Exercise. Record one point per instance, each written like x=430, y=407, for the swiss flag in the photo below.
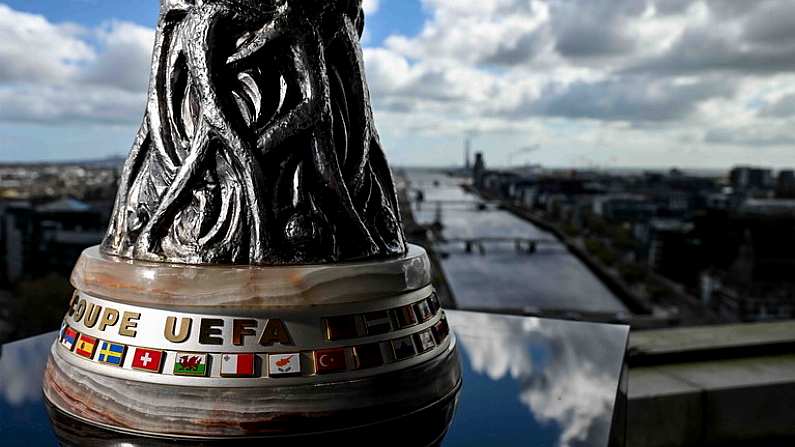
x=147, y=359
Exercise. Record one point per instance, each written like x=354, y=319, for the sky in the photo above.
x=575, y=83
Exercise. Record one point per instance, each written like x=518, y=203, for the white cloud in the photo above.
x=124, y=59
x=69, y=104
x=716, y=71
x=474, y=32
x=606, y=71
x=35, y=50
x=54, y=74
x=759, y=135
x=371, y=6
x=573, y=383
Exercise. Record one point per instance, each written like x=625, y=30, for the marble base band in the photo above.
x=268, y=355
x=428, y=426
x=210, y=412
x=196, y=287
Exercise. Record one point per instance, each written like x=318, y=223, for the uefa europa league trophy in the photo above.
x=255, y=279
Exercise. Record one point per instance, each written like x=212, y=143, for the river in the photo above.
x=552, y=279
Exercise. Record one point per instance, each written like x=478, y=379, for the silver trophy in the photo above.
x=255, y=279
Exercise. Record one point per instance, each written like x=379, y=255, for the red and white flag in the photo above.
x=237, y=365
x=147, y=359
x=330, y=360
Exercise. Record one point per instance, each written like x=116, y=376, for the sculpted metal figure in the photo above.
x=258, y=144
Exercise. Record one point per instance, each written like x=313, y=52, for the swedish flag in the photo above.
x=111, y=353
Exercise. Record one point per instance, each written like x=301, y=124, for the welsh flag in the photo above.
x=237, y=365
x=190, y=365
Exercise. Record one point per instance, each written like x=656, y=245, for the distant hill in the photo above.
x=109, y=162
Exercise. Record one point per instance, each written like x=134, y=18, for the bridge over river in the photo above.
x=483, y=265
x=472, y=244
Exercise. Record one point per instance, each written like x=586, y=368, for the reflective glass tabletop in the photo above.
x=527, y=381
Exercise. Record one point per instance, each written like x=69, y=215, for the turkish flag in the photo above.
x=330, y=360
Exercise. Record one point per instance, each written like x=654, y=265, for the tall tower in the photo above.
x=467, y=150
x=477, y=170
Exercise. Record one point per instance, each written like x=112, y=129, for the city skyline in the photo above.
x=702, y=84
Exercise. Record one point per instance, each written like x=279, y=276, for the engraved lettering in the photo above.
x=129, y=322
x=80, y=311
x=109, y=318
x=72, y=302
x=242, y=329
x=209, y=329
x=184, y=329
x=275, y=332
x=92, y=315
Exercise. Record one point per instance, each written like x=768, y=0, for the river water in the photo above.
x=552, y=279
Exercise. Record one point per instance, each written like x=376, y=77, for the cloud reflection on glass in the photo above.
x=567, y=373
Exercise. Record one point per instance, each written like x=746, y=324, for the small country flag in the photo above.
x=440, y=331
x=338, y=328
x=403, y=348
x=404, y=317
x=433, y=301
x=377, y=322
x=367, y=356
x=237, y=365
x=424, y=340
x=284, y=364
x=330, y=360
x=111, y=353
x=68, y=338
x=189, y=364
x=86, y=346
x=147, y=359
x=423, y=311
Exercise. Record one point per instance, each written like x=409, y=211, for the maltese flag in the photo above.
x=237, y=365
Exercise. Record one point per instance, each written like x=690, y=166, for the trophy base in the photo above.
x=274, y=351
x=427, y=428
x=171, y=411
